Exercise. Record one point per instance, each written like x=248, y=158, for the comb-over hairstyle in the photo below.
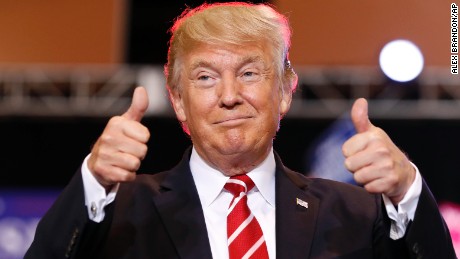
x=234, y=23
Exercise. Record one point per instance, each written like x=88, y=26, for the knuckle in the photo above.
x=127, y=176
x=115, y=120
x=373, y=135
x=382, y=151
x=131, y=163
x=103, y=154
x=388, y=165
x=106, y=138
x=115, y=123
x=345, y=151
x=144, y=149
x=369, y=188
x=146, y=132
x=99, y=169
x=358, y=176
x=135, y=164
x=358, y=179
x=378, y=129
x=347, y=164
x=376, y=135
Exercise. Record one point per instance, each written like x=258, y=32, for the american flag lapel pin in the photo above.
x=302, y=203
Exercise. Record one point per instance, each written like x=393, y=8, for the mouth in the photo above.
x=233, y=121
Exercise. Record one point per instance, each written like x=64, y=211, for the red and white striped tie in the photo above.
x=245, y=237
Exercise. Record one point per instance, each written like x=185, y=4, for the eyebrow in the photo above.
x=200, y=63
x=252, y=59
x=244, y=61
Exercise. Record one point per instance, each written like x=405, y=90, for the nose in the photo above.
x=229, y=92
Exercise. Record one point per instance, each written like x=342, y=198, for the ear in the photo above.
x=285, y=102
x=178, y=105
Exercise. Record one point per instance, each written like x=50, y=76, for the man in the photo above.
x=230, y=83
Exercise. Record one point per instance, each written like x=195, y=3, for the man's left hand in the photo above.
x=374, y=159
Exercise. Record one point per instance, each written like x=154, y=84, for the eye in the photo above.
x=204, y=78
x=250, y=76
x=248, y=73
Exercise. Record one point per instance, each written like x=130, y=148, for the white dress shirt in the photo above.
x=96, y=197
x=261, y=200
x=215, y=201
x=406, y=208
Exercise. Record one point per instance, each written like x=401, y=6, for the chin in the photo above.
x=234, y=150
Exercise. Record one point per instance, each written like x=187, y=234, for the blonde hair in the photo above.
x=233, y=23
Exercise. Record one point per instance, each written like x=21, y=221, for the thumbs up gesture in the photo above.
x=374, y=159
x=118, y=152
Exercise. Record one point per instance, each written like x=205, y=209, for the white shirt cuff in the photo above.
x=96, y=197
x=406, y=208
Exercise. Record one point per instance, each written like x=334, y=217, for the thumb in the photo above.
x=359, y=115
x=139, y=105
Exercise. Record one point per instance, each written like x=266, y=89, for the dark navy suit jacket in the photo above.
x=160, y=216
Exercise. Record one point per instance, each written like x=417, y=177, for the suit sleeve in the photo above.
x=65, y=231
x=428, y=235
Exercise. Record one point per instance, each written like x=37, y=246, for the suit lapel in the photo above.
x=295, y=224
x=180, y=209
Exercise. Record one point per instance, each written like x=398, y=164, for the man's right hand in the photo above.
x=118, y=152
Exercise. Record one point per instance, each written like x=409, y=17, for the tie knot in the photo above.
x=238, y=184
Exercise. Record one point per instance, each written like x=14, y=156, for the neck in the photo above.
x=234, y=164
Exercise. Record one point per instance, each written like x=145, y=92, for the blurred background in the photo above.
x=66, y=67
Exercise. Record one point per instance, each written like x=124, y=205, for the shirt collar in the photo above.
x=210, y=182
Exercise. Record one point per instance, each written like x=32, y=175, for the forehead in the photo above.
x=226, y=55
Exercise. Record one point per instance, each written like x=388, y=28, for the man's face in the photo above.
x=230, y=101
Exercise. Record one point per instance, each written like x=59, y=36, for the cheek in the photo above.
x=267, y=106
x=264, y=101
x=199, y=104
